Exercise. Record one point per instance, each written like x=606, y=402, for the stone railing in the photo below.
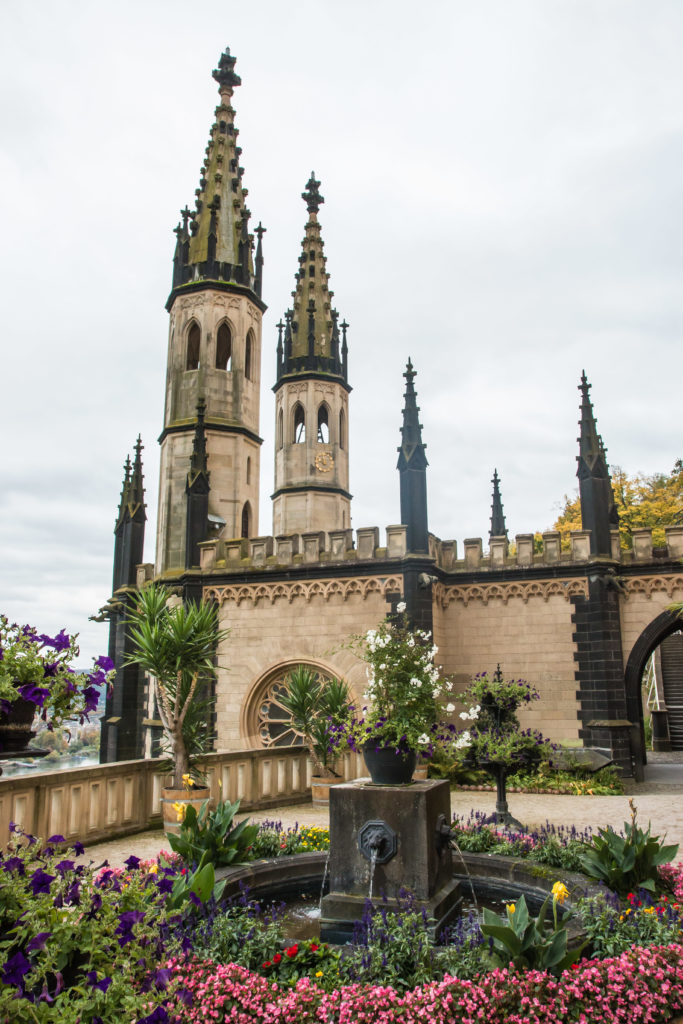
x=111, y=800
x=320, y=548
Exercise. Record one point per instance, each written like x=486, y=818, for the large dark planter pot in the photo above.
x=15, y=726
x=386, y=767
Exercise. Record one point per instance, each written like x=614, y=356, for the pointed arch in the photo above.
x=342, y=429
x=193, y=340
x=323, y=424
x=246, y=520
x=249, y=355
x=280, y=429
x=299, y=420
x=223, y=347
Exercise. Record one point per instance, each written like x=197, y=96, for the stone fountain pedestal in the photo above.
x=402, y=825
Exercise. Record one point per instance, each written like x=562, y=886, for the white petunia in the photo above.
x=465, y=717
x=463, y=740
x=450, y=708
x=424, y=738
x=401, y=607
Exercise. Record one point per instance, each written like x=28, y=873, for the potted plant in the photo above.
x=37, y=676
x=317, y=708
x=175, y=644
x=404, y=686
x=496, y=743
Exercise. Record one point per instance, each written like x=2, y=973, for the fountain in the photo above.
x=386, y=839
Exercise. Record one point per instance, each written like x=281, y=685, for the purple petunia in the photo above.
x=38, y=941
x=64, y=866
x=41, y=881
x=124, y=929
x=78, y=848
x=56, y=839
x=35, y=694
x=132, y=863
x=157, y=1016
x=14, y=864
x=105, y=663
x=14, y=970
x=102, y=985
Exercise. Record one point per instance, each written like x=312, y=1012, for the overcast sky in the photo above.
x=502, y=187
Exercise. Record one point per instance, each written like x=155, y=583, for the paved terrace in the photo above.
x=658, y=800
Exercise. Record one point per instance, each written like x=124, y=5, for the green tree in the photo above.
x=652, y=501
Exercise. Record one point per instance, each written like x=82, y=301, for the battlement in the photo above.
x=318, y=547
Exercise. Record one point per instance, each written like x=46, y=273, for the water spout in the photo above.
x=322, y=887
x=373, y=861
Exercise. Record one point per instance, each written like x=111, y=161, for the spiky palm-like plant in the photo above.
x=312, y=704
x=176, y=645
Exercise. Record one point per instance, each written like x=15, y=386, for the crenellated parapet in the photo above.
x=319, y=547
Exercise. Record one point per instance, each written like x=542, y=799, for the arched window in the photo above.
x=299, y=424
x=342, y=429
x=248, y=469
x=246, y=519
x=248, y=355
x=280, y=425
x=223, y=348
x=192, y=362
x=323, y=425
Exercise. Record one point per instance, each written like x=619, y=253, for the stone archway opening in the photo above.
x=658, y=642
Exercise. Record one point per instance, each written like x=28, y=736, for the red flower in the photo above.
x=575, y=967
x=314, y=947
x=277, y=958
x=292, y=950
x=266, y=963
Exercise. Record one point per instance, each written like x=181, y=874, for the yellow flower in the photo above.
x=560, y=892
x=510, y=908
x=648, y=910
x=318, y=974
x=188, y=781
x=179, y=809
x=153, y=869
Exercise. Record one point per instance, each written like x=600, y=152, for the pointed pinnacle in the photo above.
x=312, y=196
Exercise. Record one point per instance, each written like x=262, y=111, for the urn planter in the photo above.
x=16, y=726
x=387, y=767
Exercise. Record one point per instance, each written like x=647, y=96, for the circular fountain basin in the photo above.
x=298, y=879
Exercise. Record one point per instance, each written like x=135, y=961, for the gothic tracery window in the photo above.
x=267, y=718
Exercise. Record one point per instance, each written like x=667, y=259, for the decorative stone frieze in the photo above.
x=291, y=589
x=650, y=585
x=485, y=592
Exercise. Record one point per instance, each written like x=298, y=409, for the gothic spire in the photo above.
x=412, y=449
x=312, y=337
x=124, y=492
x=136, y=490
x=498, y=527
x=412, y=466
x=213, y=240
x=598, y=508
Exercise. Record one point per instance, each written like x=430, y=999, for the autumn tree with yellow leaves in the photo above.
x=642, y=501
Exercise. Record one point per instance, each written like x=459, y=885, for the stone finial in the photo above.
x=224, y=73
x=312, y=196
x=498, y=527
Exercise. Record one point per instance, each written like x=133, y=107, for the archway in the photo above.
x=659, y=629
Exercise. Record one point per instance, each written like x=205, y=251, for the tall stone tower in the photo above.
x=311, y=398
x=214, y=350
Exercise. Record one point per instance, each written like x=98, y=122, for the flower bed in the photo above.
x=640, y=985
x=148, y=945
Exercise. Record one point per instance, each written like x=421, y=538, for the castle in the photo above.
x=578, y=625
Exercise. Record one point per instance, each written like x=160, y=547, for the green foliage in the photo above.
x=529, y=942
x=200, y=883
x=176, y=645
x=314, y=704
x=613, y=928
x=391, y=947
x=209, y=837
x=239, y=934
x=629, y=862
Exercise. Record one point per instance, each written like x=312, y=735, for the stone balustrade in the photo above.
x=111, y=800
